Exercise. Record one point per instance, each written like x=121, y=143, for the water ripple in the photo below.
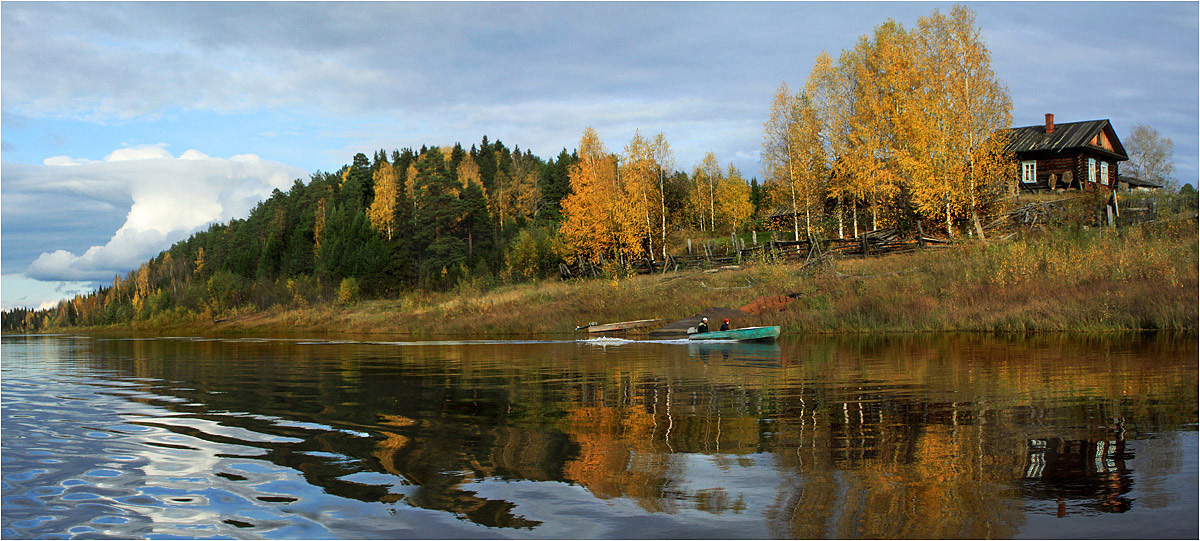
x=262, y=438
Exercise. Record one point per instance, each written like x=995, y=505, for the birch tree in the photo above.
x=879, y=67
x=705, y=178
x=952, y=155
x=590, y=224
x=733, y=209
x=779, y=151
x=640, y=180
x=828, y=89
x=382, y=211
x=664, y=161
x=1151, y=156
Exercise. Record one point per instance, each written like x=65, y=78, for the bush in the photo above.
x=534, y=254
x=348, y=290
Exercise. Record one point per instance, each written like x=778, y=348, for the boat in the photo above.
x=743, y=334
x=621, y=326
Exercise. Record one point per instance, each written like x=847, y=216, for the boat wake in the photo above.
x=606, y=341
x=596, y=341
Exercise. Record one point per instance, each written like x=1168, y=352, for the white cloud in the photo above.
x=64, y=161
x=18, y=290
x=140, y=152
x=171, y=199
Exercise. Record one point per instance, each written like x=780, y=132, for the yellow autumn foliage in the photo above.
x=382, y=211
x=594, y=222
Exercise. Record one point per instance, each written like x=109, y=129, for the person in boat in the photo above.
x=725, y=325
x=703, y=326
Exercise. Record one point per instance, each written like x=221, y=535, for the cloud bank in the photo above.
x=168, y=199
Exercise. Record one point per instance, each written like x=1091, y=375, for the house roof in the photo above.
x=1137, y=182
x=782, y=210
x=1066, y=135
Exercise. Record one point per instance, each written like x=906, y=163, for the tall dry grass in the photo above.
x=1142, y=277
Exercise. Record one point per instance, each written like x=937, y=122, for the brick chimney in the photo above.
x=1049, y=122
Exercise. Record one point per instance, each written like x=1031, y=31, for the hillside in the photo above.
x=428, y=251
x=1064, y=279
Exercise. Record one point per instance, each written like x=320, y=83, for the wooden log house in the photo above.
x=1072, y=155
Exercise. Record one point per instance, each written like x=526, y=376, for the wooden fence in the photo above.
x=872, y=243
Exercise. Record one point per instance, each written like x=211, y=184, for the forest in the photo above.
x=904, y=130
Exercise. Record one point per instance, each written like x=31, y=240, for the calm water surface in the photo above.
x=899, y=437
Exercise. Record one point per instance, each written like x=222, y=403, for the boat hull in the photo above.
x=744, y=334
x=622, y=326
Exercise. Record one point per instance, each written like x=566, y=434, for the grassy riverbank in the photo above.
x=1071, y=279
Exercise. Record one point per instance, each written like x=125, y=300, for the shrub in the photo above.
x=348, y=290
x=536, y=253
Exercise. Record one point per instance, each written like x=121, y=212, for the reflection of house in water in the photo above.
x=1091, y=473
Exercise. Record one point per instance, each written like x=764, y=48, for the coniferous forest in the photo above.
x=404, y=220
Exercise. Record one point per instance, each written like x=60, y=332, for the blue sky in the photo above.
x=128, y=126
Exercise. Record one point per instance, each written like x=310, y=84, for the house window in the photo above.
x=1029, y=172
x=1104, y=173
x=1091, y=169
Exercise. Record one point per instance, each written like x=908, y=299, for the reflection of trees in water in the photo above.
x=908, y=437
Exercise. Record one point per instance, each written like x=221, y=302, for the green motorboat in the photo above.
x=744, y=334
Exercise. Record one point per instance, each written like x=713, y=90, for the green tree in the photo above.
x=555, y=184
x=357, y=188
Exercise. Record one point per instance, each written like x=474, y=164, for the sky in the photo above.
x=126, y=127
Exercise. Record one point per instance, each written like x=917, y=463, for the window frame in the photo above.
x=1104, y=173
x=1092, y=170
x=1029, y=171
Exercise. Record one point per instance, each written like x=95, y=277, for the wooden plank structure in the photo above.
x=614, y=327
x=1040, y=214
x=871, y=243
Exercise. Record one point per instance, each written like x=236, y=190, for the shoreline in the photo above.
x=1076, y=281
x=1139, y=305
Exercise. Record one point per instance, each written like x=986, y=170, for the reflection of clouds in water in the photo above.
x=569, y=438
x=726, y=496
x=98, y=457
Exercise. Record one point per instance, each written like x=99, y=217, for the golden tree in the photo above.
x=953, y=156
x=882, y=79
x=382, y=211
x=502, y=202
x=468, y=172
x=829, y=92
x=795, y=157
x=318, y=231
x=593, y=222
x=410, y=181
x=641, y=179
x=733, y=206
x=526, y=192
x=811, y=171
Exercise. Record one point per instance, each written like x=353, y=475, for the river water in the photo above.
x=942, y=436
